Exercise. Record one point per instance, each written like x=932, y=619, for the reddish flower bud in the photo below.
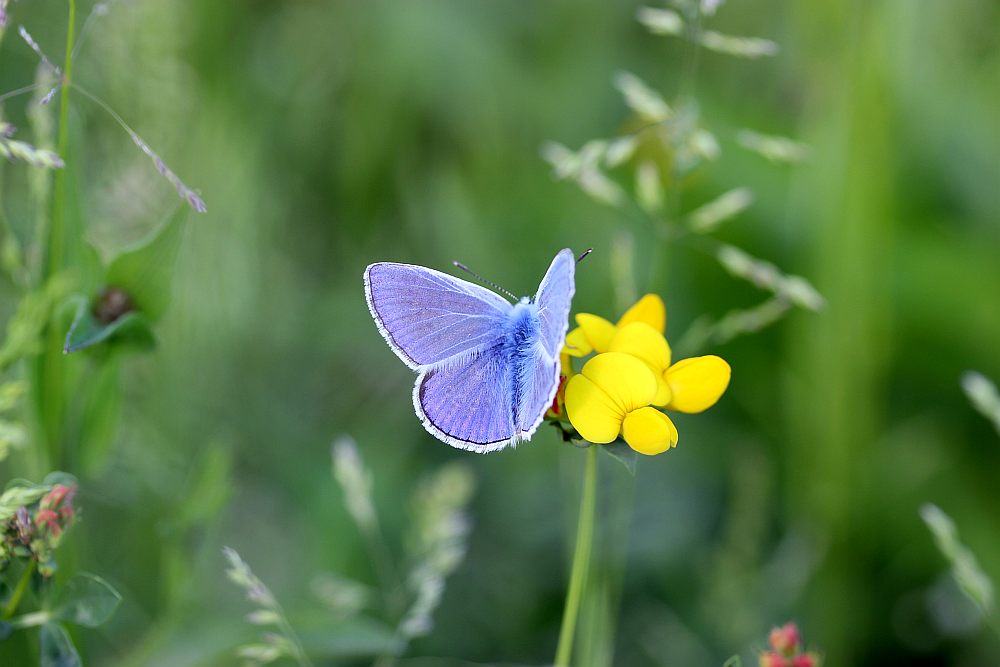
x=50, y=520
x=785, y=639
x=59, y=495
x=806, y=660
x=772, y=659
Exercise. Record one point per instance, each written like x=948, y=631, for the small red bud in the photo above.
x=557, y=400
x=785, y=639
x=49, y=519
x=771, y=659
x=806, y=660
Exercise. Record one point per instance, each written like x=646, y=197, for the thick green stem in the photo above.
x=51, y=395
x=581, y=559
x=15, y=598
x=56, y=247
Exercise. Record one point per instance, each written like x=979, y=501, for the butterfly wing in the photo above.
x=539, y=376
x=475, y=390
x=468, y=405
x=429, y=317
x=555, y=293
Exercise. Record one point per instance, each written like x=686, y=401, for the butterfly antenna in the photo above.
x=585, y=253
x=492, y=284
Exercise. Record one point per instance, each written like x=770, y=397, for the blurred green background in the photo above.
x=328, y=135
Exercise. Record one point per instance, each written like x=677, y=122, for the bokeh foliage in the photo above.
x=327, y=135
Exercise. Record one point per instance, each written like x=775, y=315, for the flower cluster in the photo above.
x=786, y=649
x=623, y=390
x=33, y=532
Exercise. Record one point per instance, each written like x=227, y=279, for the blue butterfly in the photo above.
x=487, y=369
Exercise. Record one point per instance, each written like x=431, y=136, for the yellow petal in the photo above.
x=644, y=342
x=649, y=431
x=648, y=309
x=577, y=344
x=627, y=381
x=648, y=345
x=697, y=383
x=591, y=411
x=663, y=392
x=598, y=331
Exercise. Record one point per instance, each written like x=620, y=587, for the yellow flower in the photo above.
x=690, y=385
x=598, y=332
x=614, y=394
x=611, y=397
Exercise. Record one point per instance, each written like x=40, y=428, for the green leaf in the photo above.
x=621, y=452
x=87, y=600
x=144, y=271
x=19, y=492
x=57, y=648
x=734, y=661
x=59, y=477
x=86, y=331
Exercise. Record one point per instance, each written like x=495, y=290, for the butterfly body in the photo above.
x=487, y=370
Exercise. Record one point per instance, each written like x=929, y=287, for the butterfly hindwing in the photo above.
x=468, y=405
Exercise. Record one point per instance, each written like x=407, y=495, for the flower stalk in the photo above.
x=15, y=598
x=581, y=559
x=50, y=373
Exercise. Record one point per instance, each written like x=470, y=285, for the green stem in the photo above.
x=581, y=559
x=15, y=598
x=300, y=653
x=57, y=229
x=50, y=395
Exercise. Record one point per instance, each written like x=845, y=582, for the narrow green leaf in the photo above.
x=648, y=187
x=773, y=148
x=646, y=102
x=767, y=276
x=660, y=21
x=964, y=566
x=144, y=271
x=86, y=330
x=742, y=47
x=57, y=648
x=87, y=600
x=984, y=396
x=708, y=217
x=621, y=452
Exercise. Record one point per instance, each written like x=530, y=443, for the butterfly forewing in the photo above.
x=428, y=317
x=555, y=294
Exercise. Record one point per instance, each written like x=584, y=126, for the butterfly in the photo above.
x=487, y=369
